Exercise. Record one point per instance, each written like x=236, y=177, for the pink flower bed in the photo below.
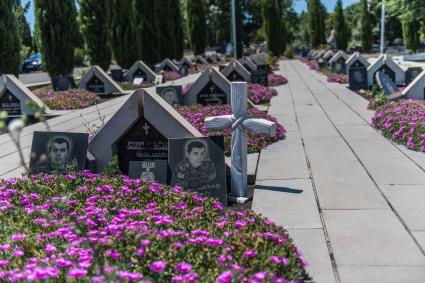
x=276, y=80
x=196, y=114
x=338, y=78
x=312, y=64
x=402, y=122
x=260, y=94
x=171, y=76
x=88, y=227
x=66, y=100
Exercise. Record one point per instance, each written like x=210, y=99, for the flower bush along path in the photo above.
x=93, y=228
x=330, y=183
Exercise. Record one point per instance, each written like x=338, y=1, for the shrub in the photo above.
x=276, y=80
x=260, y=94
x=402, y=122
x=377, y=101
x=289, y=53
x=196, y=114
x=93, y=228
x=131, y=86
x=79, y=57
x=66, y=100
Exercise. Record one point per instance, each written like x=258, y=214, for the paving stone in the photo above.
x=294, y=198
x=420, y=237
x=381, y=274
x=316, y=126
x=370, y=237
x=313, y=246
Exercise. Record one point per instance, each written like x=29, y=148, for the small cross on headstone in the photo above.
x=239, y=122
x=146, y=127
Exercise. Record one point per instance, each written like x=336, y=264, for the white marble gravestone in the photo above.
x=15, y=97
x=140, y=69
x=200, y=92
x=234, y=71
x=416, y=89
x=240, y=123
x=96, y=80
x=248, y=64
x=385, y=62
x=167, y=65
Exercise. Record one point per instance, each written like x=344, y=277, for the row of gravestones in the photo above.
x=153, y=142
x=335, y=60
x=388, y=75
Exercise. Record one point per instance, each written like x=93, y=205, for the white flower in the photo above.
x=16, y=126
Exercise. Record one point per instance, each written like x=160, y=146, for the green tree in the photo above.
x=366, y=29
x=273, y=26
x=58, y=34
x=197, y=25
x=239, y=29
x=94, y=26
x=178, y=29
x=411, y=34
x=123, y=32
x=148, y=37
x=9, y=43
x=316, y=22
x=166, y=18
x=23, y=26
x=341, y=33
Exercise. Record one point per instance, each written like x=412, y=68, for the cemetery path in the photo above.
x=351, y=199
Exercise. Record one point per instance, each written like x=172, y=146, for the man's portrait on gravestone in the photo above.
x=358, y=76
x=170, y=96
x=53, y=151
x=196, y=171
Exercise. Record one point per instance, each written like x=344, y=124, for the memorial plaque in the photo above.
x=387, y=70
x=150, y=170
x=339, y=65
x=53, y=151
x=172, y=94
x=63, y=83
x=96, y=85
x=260, y=76
x=141, y=142
x=235, y=77
x=139, y=74
x=357, y=76
x=10, y=104
x=197, y=164
x=211, y=95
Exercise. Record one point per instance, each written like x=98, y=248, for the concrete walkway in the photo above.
x=352, y=200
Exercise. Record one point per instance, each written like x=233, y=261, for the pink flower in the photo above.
x=225, y=277
x=183, y=267
x=157, y=266
x=249, y=253
x=76, y=273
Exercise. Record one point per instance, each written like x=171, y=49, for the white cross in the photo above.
x=212, y=88
x=146, y=127
x=240, y=123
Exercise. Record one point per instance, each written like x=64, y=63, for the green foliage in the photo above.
x=79, y=57
x=341, y=32
x=366, y=29
x=411, y=33
x=289, y=53
x=94, y=27
x=58, y=34
x=239, y=29
x=148, y=36
x=123, y=31
x=9, y=43
x=376, y=90
x=197, y=25
x=23, y=26
x=274, y=26
x=316, y=23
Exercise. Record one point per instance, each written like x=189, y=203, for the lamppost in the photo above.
x=383, y=27
x=234, y=29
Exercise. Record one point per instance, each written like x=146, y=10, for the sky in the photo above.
x=299, y=5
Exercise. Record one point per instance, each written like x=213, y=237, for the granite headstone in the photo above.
x=172, y=94
x=151, y=170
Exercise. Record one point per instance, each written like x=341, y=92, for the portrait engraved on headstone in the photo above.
x=53, y=151
x=197, y=164
x=171, y=94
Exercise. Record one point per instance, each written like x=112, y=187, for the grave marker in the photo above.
x=328, y=55
x=15, y=96
x=63, y=83
x=386, y=64
x=97, y=81
x=151, y=170
x=211, y=88
x=168, y=66
x=412, y=73
x=356, y=67
x=200, y=60
x=260, y=75
x=140, y=70
x=248, y=64
x=416, y=89
x=236, y=72
x=386, y=84
x=239, y=122
x=172, y=94
x=337, y=62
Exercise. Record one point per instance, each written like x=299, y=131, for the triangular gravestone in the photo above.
x=97, y=81
x=387, y=86
x=140, y=70
x=260, y=58
x=185, y=62
x=248, y=64
x=356, y=66
x=337, y=62
x=168, y=66
x=139, y=131
x=386, y=64
x=319, y=55
x=328, y=55
x=15, y=97
x=235, y=72
x=200, y=60
x=416, y=89
x=211, y=88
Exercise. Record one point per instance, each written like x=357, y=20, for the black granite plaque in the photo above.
x=412, y=73
x=141, y=142
x=151, y=170
x=357, y=76
x=386, y=84
x=10, y=103
x=96, y=85
x=63, y=83
x=260, y=76
x=197, y=164
x=235, y=77
x=387, y=70
x=53, y=151
x=211, y=95
x=172, y=94
x=117, y=75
